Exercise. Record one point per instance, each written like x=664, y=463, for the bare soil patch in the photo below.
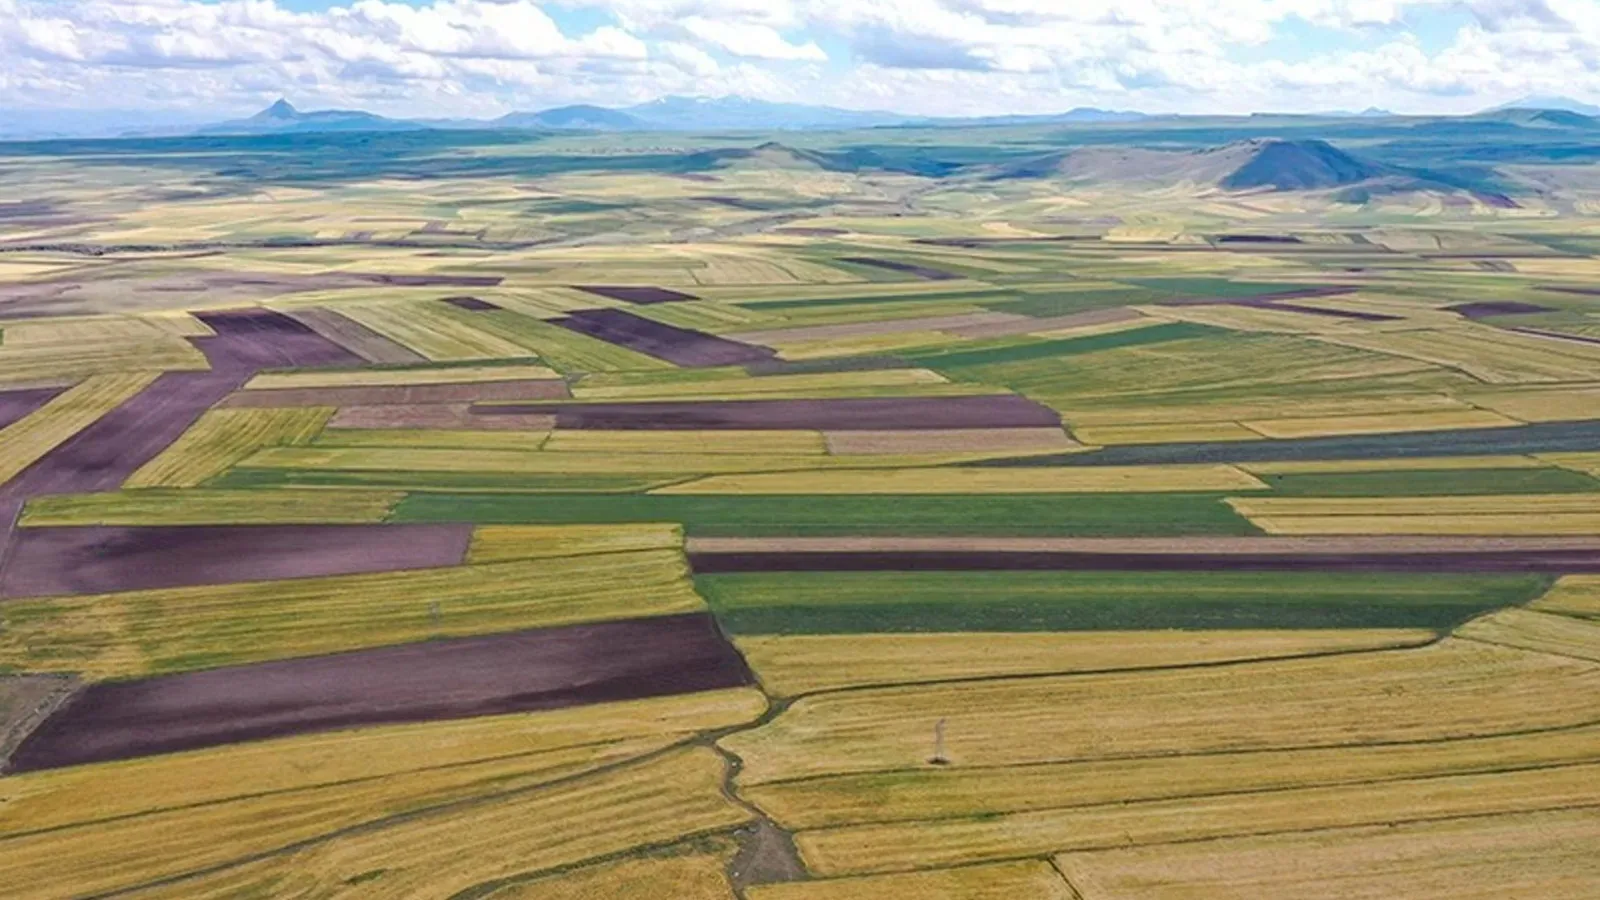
x=636, y=293
x=907, y=413
x=679, y=346
x=25, y=702
x=445, y=679
x=95, y=560
x=1485, y=309
x=926, y=273
x=470, y=304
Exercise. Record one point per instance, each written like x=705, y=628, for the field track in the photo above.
x=95, y=560
x=445, y=679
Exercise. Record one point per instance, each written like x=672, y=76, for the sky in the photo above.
x=475, y=58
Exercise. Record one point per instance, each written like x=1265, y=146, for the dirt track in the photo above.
x=445, y=679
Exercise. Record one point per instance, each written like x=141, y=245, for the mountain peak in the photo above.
x=1284, y=165
x=283, y=109
x=1558, y=104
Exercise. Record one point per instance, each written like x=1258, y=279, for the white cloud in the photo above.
x=439, y=57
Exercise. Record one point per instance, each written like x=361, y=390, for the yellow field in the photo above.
x=1540, y=631
x=1573, y=595
x=1582, y=462
x=1544, y=405
x=436, y=438
x=803, y=664
x=1164, y=433
x=1552, y=514
x=387, y=377
x=1030, y=880
x=423, y=327
x=1425, y=464
x=1116, y=411
x=1492, y=355
x=1545, y=854
x=865, y=345
x=499, y=543
x=26, y=441
x=998, y=441
x=895, y=846
x=68, y=361
x=37, y=801
x=172, y=629
x=1084, y=480
x=1383, y=424
x=223, y=437
x=1451, y=690
x=689, y=876
x=968, y=791
x=436, y=848
x=764, y=443
x=204, y=506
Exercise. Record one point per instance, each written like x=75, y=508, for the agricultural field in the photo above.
x=524, y=516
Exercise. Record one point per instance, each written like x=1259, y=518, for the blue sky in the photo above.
x=487, y=57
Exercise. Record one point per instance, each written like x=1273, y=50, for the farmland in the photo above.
x=530, y=515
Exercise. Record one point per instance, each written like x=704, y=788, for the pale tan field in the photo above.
x=382, y=377
x=1385, y=424
x=990, y=440
x=1543, y=632
x=1541, y=854
x=1455, y=689
x=1031, y=880
x=1573, y=595
x=208, y=506
x=688, y=875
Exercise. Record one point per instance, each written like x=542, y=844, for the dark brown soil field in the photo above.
x=679, y=346
x=400, y=394
x=46, y=562
x=249, y=340
x=1332, y=313
x=1552, y=561
x=445, y=679
x=470, y=304
x=15, y=405
x=25, y=702
x=357, y=338
x=1485, y=309
x=1003, y=411
x=636, y=294
x=926, y=273
x=441, y=416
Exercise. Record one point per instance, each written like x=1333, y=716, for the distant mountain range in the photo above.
x=683, y=114
x=665, y=114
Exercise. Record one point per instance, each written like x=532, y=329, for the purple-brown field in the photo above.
x=436, y=416
x=444, y=679
x=636, y=294
x=15, y=405
x=1488, y=309
x=908, y=413
x=679, y=346
x=46, y=562
x=470, y=304
x=400, y=394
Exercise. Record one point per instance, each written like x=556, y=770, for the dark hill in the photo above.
x=1300, y=166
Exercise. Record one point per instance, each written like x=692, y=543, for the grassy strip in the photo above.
x=508, y=482
x=849, y=602
x=805, y=515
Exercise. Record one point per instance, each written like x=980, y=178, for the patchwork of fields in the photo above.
x=862, y=549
